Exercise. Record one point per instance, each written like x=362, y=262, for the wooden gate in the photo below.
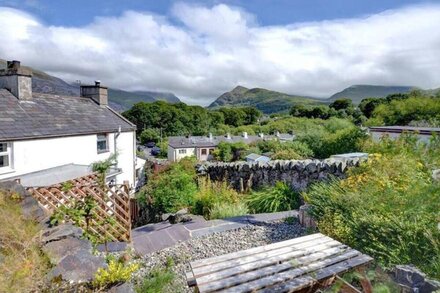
x=112, y=201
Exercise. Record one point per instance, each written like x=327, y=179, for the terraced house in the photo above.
x=47, y=139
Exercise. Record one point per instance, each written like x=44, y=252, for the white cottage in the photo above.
x=47, y=139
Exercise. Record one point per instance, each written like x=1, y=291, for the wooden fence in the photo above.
x=112, y=201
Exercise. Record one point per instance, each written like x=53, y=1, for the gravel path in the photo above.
x=216, y=244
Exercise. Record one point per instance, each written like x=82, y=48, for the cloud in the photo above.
x=200, y=52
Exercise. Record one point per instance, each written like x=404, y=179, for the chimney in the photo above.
x=228, y=135
x=261, y=135
x=17, y=80
x=245, y=136
x=96, y=92
x=210, y=136
x=277, y=133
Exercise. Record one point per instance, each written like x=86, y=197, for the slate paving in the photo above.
x=157, y=236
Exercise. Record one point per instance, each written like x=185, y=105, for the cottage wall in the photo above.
x=297, y=174
x=39, y=154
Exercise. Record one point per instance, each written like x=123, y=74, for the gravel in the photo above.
x=213, y=245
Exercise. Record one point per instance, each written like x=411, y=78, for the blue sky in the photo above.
x=200, y=49
x=268, y=12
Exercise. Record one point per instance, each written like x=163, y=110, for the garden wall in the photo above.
x=297, y=174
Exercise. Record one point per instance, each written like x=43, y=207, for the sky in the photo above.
x=200, y=49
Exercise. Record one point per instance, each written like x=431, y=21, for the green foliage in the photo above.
x=22, y=263
x=402, y=109
x=325, y=144
x=173, y=188
x=149, y=135
x=228, y=152
x=116, y=272
x=227, y=210
x=388, y=207
x=159, y=280
x=181, y=119
x=293, y=150
x=102, y=167
x=340, y=104
x=211, y=194
x=83, y=213
x=273, y=199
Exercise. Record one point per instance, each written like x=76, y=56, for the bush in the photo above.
x=388, y=207
x=22, y=264
x=228, y=210
x=173, y=188
x=117, y=272
x=210, y=194
x=273, y=199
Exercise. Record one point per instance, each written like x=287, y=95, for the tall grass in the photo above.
x=273, y=199
x=388, y=207
x=215, y=196
x=22, y=264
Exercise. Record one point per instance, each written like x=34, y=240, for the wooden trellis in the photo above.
x=112, y=201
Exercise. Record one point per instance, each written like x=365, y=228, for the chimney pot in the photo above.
x=96, y=92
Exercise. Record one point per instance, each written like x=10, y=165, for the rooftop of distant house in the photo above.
x=213, y=141
x=25, y=114
x=400, y=129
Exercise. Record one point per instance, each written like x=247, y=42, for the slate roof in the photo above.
x=48, y=115
x=400, y=129
x=257, y=158
x=204, y=141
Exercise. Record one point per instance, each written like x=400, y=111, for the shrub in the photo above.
x=228, y=210
x=388, y=207
x=117, y=272
x=273, y=199
x=211, y=193
x=22, y=263
x=173, y=188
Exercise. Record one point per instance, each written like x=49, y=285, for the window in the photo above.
x=204, y=152
x=5, y=155
x=102, y=143
x=182, y=151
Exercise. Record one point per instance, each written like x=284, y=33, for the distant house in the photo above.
x=47, y=139
x=252, y=158
x=202, y=147
x=423, y=133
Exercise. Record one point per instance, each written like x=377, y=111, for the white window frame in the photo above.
x=107, y=149
x=7, y=153
x=182, y=151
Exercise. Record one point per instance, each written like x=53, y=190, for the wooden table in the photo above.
x=298, y=264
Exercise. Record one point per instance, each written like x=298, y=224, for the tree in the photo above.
x=149, y=135
x=341, y=104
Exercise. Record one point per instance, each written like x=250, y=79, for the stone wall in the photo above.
x=297, y=174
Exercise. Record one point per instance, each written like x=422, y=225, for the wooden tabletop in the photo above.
x=286, y=266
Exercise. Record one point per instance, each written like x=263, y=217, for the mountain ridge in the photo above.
x=119, y=100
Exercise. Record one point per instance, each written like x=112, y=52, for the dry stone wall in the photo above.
x=297, y=174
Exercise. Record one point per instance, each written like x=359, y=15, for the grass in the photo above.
x=159, y=280
x=228, y=210
x=22, y=264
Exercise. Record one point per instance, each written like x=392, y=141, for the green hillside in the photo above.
x=359, y=92
x=264, y=100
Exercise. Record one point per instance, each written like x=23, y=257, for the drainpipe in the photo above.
x=115, y=138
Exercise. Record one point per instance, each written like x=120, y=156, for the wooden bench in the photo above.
x=299, y=264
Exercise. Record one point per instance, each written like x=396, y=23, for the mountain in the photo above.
x=119, y=100
x=359, y=92
x=264, y=100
